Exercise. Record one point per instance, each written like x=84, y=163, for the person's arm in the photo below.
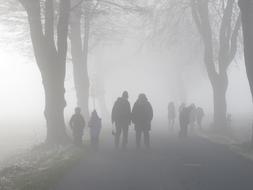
x=151, y=112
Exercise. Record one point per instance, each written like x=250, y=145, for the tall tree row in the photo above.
x=246, y=7
x=50, y=49
x=81, y=36
x=79, y=52
x=219, y=52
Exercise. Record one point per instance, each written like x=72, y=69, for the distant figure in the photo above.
x=121, y=116
x=193, y=117
x=181, y=107
x=184, y=121
x=95, y=126
x=171, y=115
x=142, y=115
x=77, y=124
x=199, y=115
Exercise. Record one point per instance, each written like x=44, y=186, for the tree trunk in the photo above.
x=79, y=51
x=220, y=106
x=52, y=64
x=85, y=59
x=80, y=73
x=54, y=107
x=246, y=7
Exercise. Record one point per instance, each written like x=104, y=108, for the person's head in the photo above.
x=125, y=95
x=183, y=104
x=142, y=97
x=77, y=110
x=193, y=106
x=94, y=114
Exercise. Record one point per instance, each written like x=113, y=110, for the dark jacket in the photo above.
x=184, y=116
x=77, y=123
x=121, y=112
x=142, y=114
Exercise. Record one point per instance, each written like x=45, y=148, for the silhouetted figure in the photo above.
x=121, y=116
x=77, y=124
x=184, y=121
x=199, y=116
x=181, y=107
x=95, y=126
x=193, y=117
x=171, y=115
x=142, y=115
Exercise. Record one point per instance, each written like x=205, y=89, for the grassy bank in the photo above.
x=40, y=168
x=244, y=148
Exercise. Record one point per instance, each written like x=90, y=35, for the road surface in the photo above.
x=171, y=164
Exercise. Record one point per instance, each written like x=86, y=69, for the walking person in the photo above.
x=121, y=117
x=184, y=121
x=77, y=124
x=193, y=117
x=95, y=126
x=142, y=115
x=171, y=115
x=181, y=107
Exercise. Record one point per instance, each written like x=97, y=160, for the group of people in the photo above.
x=141, y=116
x=122, y=116
x=77, y=124
x=189, y=116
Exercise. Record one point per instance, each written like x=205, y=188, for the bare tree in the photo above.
x=79, y=51
x=50, y=53
x=82, y=33
x=246, y=7
x=219, y=51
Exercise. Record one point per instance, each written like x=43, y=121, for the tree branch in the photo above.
x=225, y=35
x=234, y=39
x=49, y=22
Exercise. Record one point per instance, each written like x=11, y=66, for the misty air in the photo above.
x=126, y=94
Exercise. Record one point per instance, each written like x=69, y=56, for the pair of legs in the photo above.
x=95, y=142
x=119, y=130
x=145, y=132
x=78, y=138
x=183, y=130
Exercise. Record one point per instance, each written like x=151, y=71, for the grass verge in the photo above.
x=39, y=169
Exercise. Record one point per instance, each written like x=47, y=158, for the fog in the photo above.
x=61, y=60
x=163, y=76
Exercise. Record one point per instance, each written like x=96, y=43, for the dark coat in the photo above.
x=142, y=114
x=121, y=112
x=184, y=116
x=77, y=123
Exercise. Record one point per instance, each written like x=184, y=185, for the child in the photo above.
x=77, y=124
x=95, y=128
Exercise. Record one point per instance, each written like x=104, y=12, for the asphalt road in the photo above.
x=171, y=164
